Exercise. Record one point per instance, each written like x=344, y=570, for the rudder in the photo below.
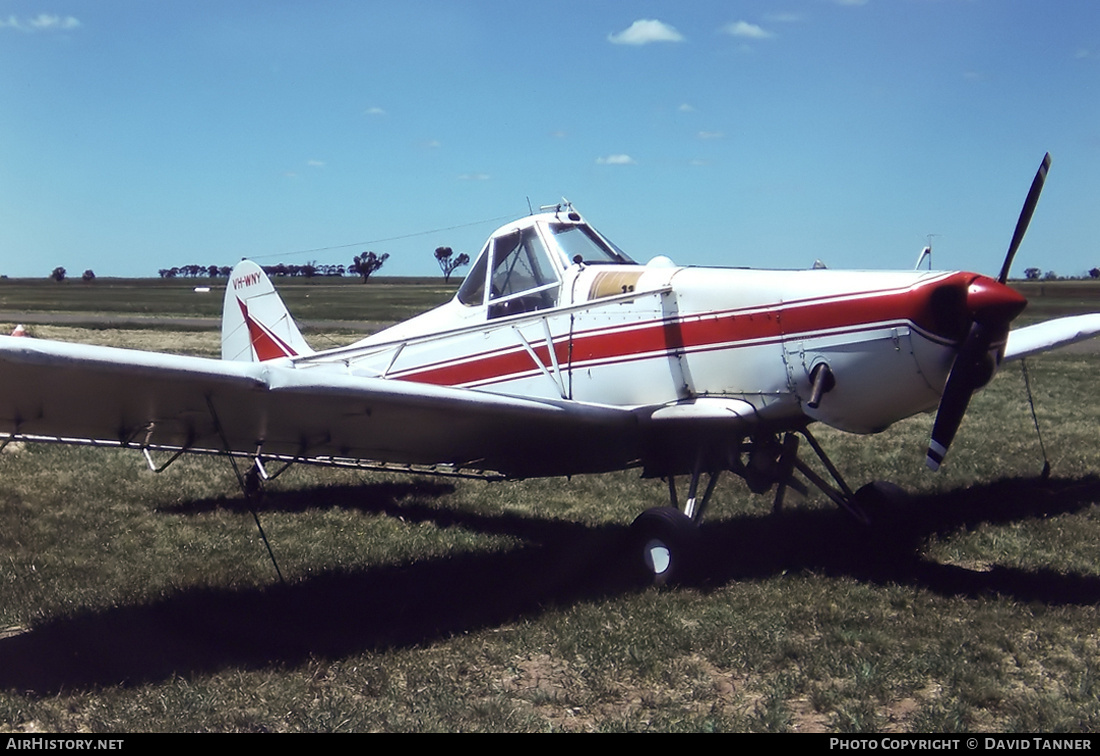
x=256, y=325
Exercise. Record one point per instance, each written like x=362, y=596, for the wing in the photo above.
x=1043, y=337
x=74, y=393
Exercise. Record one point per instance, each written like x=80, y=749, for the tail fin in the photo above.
x=255, y=323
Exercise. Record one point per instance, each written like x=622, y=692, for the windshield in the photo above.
x=472, y=291
x=580, y=244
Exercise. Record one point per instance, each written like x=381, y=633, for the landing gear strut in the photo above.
x=665, y=540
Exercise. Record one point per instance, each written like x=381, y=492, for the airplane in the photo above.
x=559, y=355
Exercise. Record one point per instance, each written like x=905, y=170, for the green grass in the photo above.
x=138, y=602
x=381, y=300
x=1048, y=299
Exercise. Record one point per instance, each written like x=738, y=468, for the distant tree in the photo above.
x=447, y=263
x=87, y=276
x=1050, y=275
x=1094, y=273
x=1032, y=274
x=367, y=263
x=58, y=274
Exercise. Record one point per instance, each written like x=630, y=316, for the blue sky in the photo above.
x=137, y=135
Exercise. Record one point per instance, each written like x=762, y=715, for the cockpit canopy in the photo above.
x=520, y=268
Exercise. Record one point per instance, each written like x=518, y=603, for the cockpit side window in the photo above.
x=522, y=278
x=516, y=264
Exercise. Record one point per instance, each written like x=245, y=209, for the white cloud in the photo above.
x=43, y=22
x=747, y=31
x=643, y=31
x=685, y=108
x=619, y=159
x=711, y=135
x=473, y=177
x=375, y=111
x=315, y=163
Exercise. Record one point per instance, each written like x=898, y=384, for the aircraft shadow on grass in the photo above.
x=336, y=614
x=372, y=497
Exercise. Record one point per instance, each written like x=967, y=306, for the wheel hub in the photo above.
x=657, y=556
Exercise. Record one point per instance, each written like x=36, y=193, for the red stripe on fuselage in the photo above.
x=701, y=332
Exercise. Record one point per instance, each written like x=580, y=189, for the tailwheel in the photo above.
x=663, y=544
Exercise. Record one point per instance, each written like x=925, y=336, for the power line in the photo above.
x=380, y=241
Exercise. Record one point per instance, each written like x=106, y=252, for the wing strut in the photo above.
x=251, y=485
x=1035, y=419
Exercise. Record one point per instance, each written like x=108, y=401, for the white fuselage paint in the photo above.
x=630, y=335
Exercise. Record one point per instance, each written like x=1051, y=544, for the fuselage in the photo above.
x=550, y=309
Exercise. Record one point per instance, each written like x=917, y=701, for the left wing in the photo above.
x=75, y=393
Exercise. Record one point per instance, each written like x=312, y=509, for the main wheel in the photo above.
x=663, y=542
x=878, y=501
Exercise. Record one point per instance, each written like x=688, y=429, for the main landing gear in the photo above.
x=668, y=537
x=665, y=541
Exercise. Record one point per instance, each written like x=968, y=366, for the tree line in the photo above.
x=368, y=263
x=1036, y=274
x=59, y=274
x=308, y=270
x=364, y=266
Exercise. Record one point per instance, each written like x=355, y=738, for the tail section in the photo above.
x=255, y=323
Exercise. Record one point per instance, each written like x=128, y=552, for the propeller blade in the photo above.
x=948, y=419
x=966, y=375
x=991, y=308
x=1025, y=216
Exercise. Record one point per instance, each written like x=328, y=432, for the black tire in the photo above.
x=663, y=545
x=879, y=501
